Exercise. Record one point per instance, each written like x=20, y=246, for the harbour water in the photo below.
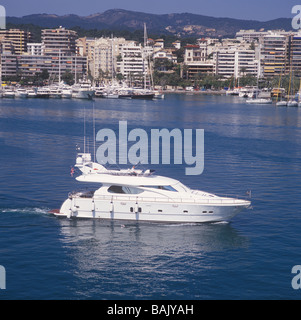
x=247, y=147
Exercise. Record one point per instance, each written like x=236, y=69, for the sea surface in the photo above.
x=247, y=147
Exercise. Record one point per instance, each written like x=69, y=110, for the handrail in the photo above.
x=215, y=200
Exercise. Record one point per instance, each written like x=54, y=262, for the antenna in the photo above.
x=84, y=129
x=94, y=130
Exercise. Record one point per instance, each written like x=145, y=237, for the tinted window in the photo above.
x=124, y=189
x=116, y=189
x=168, y=188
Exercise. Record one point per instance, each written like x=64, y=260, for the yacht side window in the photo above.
x=167, y=188
x=124, y=190
x=116, y=189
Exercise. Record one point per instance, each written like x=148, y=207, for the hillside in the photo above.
x=179, y=24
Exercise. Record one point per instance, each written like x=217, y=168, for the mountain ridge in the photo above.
x=180, y=24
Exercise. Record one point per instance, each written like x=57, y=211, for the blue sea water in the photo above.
x=247, y=147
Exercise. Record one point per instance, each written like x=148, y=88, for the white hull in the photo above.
x=21, y=95
x=281, y=103
x=259, y=101
x=111, y=96
x=292, y=104
x=67, y=94
x=83, y=94
x=9, y=94
x=122, y=208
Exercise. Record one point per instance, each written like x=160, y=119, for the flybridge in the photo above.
x=141, y=144
x=84, y=159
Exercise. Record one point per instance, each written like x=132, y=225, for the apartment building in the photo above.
x=132, y=64
x=294, y=54
x=14, y=40
x=104, y=54
x=196, y=60
x=84, y=45
x=35, y=49
x=274, y=54
x=165, y=54
x=234, y=62
x=194, y=53
x=59, y=41
x=29, y=65
x=250, y=35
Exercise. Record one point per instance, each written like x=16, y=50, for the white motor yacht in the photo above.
x=111, y=95
x=66, y=93
x=21, y=93
x=143, y=196
x=8, y=93
x=55, y=93
x=43, y=92
x=31, y=93
x=259, y=101
x=82, y=90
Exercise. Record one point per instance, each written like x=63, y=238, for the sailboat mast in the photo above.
x=144, y=48
x=59, y=65
x=94, y=137
x=75, y=77
x=84, y=129
x=112, y=70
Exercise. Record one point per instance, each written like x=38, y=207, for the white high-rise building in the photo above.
x=133, y=64
x=236, y=63
x=35, y=49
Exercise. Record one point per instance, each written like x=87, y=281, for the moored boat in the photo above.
x=259, y=101
x=21, y=93
x=83, y=90
x=43, y=93
x=8, y=93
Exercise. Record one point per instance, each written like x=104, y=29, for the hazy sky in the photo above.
x=262, y=10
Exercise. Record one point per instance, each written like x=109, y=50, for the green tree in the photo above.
x=68, y=77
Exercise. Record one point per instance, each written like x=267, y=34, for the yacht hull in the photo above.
x=138, y=210
x=21, y=95
x=84, y=94
x=143, y=96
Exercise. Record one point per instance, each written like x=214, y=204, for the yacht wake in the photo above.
x=25, y=210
